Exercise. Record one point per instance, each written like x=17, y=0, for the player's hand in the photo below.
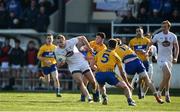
x=174, y=60
x=60, y=64
x=48, y=63
x=91, y=50
x=130, y=87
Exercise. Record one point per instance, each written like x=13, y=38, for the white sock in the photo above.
x=167, y=93
x=89, y=97
x=159, y=93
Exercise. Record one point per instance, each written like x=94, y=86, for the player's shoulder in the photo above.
x=43, y=46
x=133, y=39
x=172, y=34
x=146, y=38
x=92, y=42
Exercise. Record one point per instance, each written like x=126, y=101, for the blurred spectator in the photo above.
x=166, y=9
x=31, y=63
x=42, y=20
x=155, y=18
x=128, y=19
x=155, y=5
x=175, y=18
x=144, y=4
x=175, y=4
x=30, y=15
x=3, y=16
x=4, y=59
x=14, y=6
x=50, y=7
x=13, y=21
x=142, y=16
x=16, y=60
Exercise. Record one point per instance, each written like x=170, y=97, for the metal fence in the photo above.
x=147, y=27
x=27, y=81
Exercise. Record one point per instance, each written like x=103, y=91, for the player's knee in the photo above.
x=122, y=85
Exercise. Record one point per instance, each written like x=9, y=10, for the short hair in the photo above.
x=59, y=36
x=112, y=43
x=119, y=42
x=48, y=35
x=17, y=41
x=31, y=42
x=101, y=34
x=167, y=22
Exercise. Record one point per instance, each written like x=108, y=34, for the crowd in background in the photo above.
x=26, y=14
x=17, y=64
x=153, y=11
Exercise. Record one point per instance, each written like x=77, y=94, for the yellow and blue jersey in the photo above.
x=106, y=60
x=96, y=47
x=139, y=45
x=132, y=63
x=125, y=52
x=47, y=52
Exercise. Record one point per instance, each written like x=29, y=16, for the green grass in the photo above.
x=11, y=101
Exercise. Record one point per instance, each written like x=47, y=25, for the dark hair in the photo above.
x=119, y=42
x=31, y=42
x=112, y=43
x=101, y=34
x=17, y=41
x=60, y=36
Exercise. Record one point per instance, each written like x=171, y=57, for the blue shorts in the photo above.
x=109, y=77
x=146, y=65
x=135, y=66
x=48, y=70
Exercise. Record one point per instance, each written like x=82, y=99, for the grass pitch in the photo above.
x=11, y=101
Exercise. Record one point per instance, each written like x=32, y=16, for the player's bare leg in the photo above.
x=145, y=77
x=56, y=83
x=85, y=80
x=90, y=76
x=78, y=78
x=165, y=83
x=127, y=92
x=104, y=94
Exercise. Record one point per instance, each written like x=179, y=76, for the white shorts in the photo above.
x=17, y=67
x=150, y=72
x=4, y=66
x=79, y=67
x=32, y=68
x=163, y=62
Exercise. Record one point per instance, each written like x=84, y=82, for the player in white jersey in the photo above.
x=152, y=53
x=76, y=61
x=166, y=41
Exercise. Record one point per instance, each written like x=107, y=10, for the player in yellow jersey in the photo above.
x=97, y=45
x=48, y=62
x=104, y=64
x=140, y=45
x=134, y=65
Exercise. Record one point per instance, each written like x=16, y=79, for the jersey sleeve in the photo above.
x=154, y=40
x=73, y=41
x=175, y=39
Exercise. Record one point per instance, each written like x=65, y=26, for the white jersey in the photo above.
x=154, y=53
x=72, y=54
x=165, y=45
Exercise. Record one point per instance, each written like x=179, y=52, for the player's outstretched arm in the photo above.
x=176, y=52
x=85, y=41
